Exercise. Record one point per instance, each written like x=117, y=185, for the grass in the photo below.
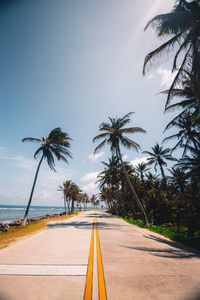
x=170, y=232
x=17, y=232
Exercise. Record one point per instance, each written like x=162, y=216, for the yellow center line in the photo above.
x=88, y=284
x=89, y=277
x=101, y=278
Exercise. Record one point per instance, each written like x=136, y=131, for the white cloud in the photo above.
x=139, y=160
x=90, y=188
x=20, y=161
x=95, y=157
x=125, y=157
x=2, y=150
x=92, y=177
x=167, y=77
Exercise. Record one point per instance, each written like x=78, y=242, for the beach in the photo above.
x=10, y=213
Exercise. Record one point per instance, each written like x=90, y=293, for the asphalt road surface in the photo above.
x=94, y=256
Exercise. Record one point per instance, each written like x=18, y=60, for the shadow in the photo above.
x=99, y=216
x=4, y=296
x=82, y=225
x=195, y=296
x=173, y=244
x=165, y=253
x=175, y=250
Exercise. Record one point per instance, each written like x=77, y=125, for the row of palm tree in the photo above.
x=174, y=196
x=74, y=196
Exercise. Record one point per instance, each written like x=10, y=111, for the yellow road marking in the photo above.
x=101, y=278
x=88, y=284
x=100, y=271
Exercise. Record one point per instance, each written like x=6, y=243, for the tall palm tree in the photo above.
x=67, y=189
x=191, y=164
x=141, y=168
x=182, y=26
x=158, y=157
x=114, y=134
x=55, y=144
x=110, y=175
x=188, y=132
x=178, y=179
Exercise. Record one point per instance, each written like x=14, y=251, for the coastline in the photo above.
x=5, y=225
x=13, y=231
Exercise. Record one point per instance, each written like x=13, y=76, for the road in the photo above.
x=95, y=254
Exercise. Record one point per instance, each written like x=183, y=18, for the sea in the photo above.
x=14, y=212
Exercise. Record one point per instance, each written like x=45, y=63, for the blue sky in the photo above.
x=72, y=64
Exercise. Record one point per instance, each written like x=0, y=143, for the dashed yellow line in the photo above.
x=101, y=278
x=89, y=277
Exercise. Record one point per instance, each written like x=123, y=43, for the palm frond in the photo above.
x=30, y=139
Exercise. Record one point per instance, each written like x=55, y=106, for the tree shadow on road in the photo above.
x=82, y=225
x=175, y=250
x=106, y=216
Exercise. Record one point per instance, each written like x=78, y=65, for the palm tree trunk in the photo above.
x=135, y=196
x=163, y=174
x=24, y=221
x=65, y=205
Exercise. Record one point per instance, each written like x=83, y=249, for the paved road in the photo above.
x=137, y=264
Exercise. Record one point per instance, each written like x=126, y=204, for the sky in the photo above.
x=71, y=64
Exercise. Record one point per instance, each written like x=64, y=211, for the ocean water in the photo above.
x=14, y=212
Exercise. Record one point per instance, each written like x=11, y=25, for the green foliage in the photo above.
x=171, y=232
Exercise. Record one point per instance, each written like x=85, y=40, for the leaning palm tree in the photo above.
x=157, y=158
x=55, y=144
x=114, y=134
x=182, y=28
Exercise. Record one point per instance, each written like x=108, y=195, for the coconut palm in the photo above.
x=187, y=135
x=84, y=199
x=56, y=144
x=178, y=179
x=94, y=200
x=182, y=26
x=114, y=134
x=191, y=164
x=110, y=175
x=158, y=157
x=141, y=168
x=67, y=189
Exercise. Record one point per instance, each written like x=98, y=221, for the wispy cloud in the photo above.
x=166, y=76
x=95, y=157
x=20, y=161
x=138, y=160
x=92, y=176
x=91, y=186
x=2, y=150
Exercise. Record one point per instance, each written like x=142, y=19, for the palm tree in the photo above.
x=182, y=26
x=191, y=164
x=55, y=144
x=85, y=200
x=67, y=190
x=114, y=134
x=177, y=179
x=141, y=168
x=110, y=175
x=188, y=132
x=94, y=200
x=158, y=157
